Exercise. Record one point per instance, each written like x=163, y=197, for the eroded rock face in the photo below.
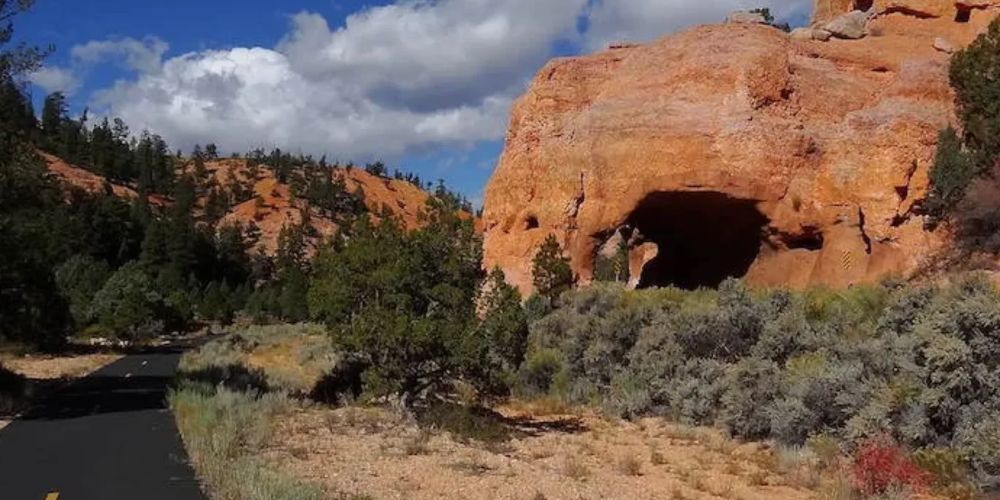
x=735, y=150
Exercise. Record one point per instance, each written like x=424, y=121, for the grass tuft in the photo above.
x=224, y=431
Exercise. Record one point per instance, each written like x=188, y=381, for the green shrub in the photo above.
x=950, y=176
x=538, y=373
x=492, y=352
x=696, y=392
x=402, y=305
x=129, y=305
x=948, y=470
x=916, y=363
x=79, y=279
x=974, y=72
x=978, y=435
x=550, y=269
x=751, y=385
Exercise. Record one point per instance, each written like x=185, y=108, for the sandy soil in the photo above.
x=53, y=367
x=583, y=456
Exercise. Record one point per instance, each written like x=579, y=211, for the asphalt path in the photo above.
x=108, y=436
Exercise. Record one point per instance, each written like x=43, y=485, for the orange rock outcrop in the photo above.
x=90, y=182
x=272, y=205
x=736, y=150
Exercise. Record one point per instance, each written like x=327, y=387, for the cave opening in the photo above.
x=963, y=14
x=702, y=237
x=863, y=5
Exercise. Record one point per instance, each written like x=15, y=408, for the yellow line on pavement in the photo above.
x=52, y=496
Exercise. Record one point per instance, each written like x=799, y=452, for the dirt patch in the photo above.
x=569, y=456
x=55, y=367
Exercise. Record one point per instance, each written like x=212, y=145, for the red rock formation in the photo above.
x=735, y=150
x=91, y=182
x=272, y=205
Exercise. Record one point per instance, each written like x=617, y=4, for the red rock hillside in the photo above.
x=272, y=205
x=737, y=150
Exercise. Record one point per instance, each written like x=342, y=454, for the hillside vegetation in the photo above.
x=106, y=232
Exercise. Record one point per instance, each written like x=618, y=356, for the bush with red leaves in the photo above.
x=880, y=465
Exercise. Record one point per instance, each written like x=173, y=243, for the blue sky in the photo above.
x=425, y=85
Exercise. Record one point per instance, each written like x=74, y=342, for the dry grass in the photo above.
x=559, y=456
x=574, y=468
x=419, y=444
x=537, y=449
x=655, y=456
x=630, y=465
x=56, y=367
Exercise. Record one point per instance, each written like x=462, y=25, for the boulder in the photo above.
x=944, y=45
x=730, y=150
x=821, y=34
x=802, y=34
x=851, y=26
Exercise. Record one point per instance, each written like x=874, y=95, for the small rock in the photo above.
x=851, y=26
x=821, y=34
x=801, y=34
x=744, y=17
x=944, y=45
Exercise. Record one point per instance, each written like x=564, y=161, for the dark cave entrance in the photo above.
x=702, y=237
x=963, y=14
x=863, y=5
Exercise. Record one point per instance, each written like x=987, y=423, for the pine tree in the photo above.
x=54, y=114
x=552, y=274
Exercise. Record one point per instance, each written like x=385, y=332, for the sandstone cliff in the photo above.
x=736, y=150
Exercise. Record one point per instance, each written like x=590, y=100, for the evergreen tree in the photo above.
x=550, y=269
x=79, y=279
x=401, y=303
x=17, y=115
x=54, y=114
x=31, y=308
x=974, y=74
x=494, y=350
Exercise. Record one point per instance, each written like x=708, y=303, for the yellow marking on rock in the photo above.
x=52, y=496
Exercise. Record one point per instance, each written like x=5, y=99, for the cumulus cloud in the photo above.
x=139, y=55
x=55, y=79
x=391, y=80
x=646, y=20
x=423, y=55
x=243, y=98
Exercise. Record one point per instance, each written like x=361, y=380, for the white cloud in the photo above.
x=393, y=79
x=646, y=20
x=244, y=98
x=54, y=79
x=139, y=55
x=423, y=55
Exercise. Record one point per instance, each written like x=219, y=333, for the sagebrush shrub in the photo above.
x=920, y=364
x=538, y=373
x=751, y=385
